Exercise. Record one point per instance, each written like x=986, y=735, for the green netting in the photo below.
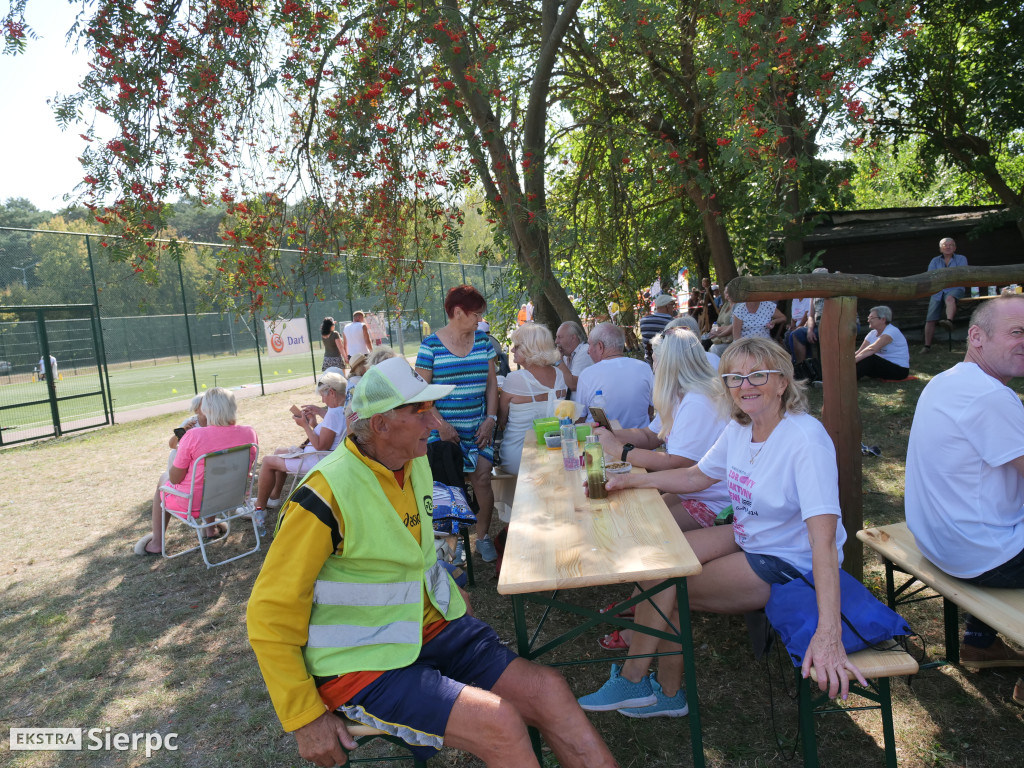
x=153, y=336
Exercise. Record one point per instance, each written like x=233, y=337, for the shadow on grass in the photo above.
x=138, y=645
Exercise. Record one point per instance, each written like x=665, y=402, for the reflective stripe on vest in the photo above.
x=354, y=636
x=359, y=594
x=439, y=586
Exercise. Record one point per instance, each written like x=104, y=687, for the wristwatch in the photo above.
x=492, y=416
x=625, y=450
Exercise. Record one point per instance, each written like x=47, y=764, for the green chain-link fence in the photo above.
x=165, y=339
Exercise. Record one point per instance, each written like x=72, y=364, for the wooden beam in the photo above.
x=837, y=337
x=776, y=287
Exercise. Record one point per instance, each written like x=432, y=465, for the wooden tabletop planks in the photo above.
x=558, y=538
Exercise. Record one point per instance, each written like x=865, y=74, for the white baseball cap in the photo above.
x=391, y=384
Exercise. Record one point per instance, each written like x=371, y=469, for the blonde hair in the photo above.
x=768, y=355
x=379, y=354
x=536, y=343
x=332, y=381
x=680, y=367
x=219, y=407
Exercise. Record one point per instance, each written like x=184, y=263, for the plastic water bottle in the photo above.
x=599, y=401
x=261, y=521
x=593, y=455
x=570, y=457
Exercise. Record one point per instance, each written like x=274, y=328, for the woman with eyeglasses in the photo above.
x=885, y=353
x=460, y=354
x=780, y=468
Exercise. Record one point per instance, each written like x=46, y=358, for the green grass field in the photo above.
x=133, y=387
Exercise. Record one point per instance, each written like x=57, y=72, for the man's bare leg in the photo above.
x=490, y=727
x=544, y=700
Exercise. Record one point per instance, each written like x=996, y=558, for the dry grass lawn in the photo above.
x=95, y=637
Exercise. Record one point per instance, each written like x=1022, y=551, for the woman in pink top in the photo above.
x=219, y=433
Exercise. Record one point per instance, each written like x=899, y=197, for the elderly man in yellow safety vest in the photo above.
x=352, y=614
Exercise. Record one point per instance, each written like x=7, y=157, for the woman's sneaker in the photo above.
x=485, y=548
x=618, y=692
x=665, y=706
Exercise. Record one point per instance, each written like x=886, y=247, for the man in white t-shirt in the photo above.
x=625, y=383
x=42, y=368
x=965, y=471
x=357, y=336
x=572, y=344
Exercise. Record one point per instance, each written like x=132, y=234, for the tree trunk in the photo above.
x=714, y=233
x=521, y=203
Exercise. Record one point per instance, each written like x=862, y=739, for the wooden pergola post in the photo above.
x=840, y=411
x=837, y=338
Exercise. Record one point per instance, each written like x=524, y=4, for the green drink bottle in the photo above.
x=593, y=460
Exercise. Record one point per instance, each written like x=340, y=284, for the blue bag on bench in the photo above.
x=792, y=610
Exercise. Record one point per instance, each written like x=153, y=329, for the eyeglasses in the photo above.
x=756, y=378
x=418, y=408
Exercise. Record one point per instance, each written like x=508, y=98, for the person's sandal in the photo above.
x=613, y=642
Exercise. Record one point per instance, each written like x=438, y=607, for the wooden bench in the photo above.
x=503, y=484
x=877, y=666
x=1001, y=609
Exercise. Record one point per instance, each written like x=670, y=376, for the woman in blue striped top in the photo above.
x=459, y=354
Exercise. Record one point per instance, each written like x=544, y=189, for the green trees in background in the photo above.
x=952, y=96
x=604, y=144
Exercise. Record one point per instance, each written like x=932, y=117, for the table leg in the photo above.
x=690, y=672
x=523, y=649
x=519, y=617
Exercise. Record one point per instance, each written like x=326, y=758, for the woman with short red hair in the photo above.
x=459, y=354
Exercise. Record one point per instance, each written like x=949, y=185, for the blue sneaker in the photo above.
x=619, y=692
x=665, y=706
x=485, y=548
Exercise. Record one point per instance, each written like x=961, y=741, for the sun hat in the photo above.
x=484, y=326
x=664, y=299
x=391, y=384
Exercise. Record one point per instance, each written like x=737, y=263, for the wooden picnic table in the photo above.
x=558, y=539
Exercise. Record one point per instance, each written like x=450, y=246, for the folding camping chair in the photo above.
x=225, y=497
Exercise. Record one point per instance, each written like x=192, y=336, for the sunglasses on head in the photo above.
x=418, y=408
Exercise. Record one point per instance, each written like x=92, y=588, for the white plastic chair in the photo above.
x=226, y=492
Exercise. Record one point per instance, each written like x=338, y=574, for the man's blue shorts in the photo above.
x=414, y=702
x=937, y=303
